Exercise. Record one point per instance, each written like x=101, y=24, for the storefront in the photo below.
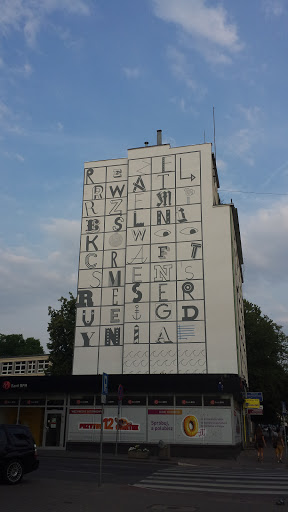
x=64, y=412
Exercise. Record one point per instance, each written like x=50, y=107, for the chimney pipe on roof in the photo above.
x=159, y=137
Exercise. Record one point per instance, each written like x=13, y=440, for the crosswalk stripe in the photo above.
x=212, y=484
x=222, y=490
x=216, y=481
x=226, y=476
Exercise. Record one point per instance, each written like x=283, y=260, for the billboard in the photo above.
x=138, y=424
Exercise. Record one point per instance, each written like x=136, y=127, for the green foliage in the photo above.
x=15, y=345
x=267, y=355
x=61, y=330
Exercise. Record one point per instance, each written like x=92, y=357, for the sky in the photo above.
x=84, y=80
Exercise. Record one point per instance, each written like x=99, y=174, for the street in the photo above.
x=71, y=485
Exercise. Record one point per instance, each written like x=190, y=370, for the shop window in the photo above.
x=20, y=367
x=31, y=367
x=7, y=368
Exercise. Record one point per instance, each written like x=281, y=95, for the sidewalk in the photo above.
x=246, y=459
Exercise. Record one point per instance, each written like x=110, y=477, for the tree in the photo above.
x=267, y=356
x=15, y=345
x=61, y=329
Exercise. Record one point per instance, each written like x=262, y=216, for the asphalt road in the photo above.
x=81, y=470
x=71, y=485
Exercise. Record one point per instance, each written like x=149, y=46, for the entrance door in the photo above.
x=53, y=436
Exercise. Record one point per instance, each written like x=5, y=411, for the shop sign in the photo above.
x=55, y=402
x=32, y=401
x=134, y=400
x=85, y=424
x=160, y=400
x=8, y=385
x=110, y=400
x=84, y=400
x=189, y=401
x=6, y=401
x=216, y=402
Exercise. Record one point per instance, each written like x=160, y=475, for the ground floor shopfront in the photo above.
x=186, y=412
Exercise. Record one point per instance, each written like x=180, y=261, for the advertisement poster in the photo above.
x=85, y=424
x=182, y=425
x=237, y=426
x=190, y=425
x=217, y=426
x=161, y=424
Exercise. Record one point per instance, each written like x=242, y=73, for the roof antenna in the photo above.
x=214, y=133
x=204, y=137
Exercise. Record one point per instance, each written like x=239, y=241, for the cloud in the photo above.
x=179, y=66
x=242, y=142
x=184, y=105
x=207, y=27
x=265, y=242
x=26, y=70
x=273, y=8
x=8, y=120
x=34, y=277
x=251, y=114
x=222, y=165
x=27, y=16
x=264, y=235
x=132, y=72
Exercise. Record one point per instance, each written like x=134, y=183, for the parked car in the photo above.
x=18, y=453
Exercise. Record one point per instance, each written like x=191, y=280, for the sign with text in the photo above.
x=104, y=384
x=182, y=425
x=252, y=403
x=255, y=394
x=255, y=412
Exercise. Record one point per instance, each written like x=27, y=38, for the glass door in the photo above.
x=54, y=429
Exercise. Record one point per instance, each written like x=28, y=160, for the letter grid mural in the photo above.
x=140, y=306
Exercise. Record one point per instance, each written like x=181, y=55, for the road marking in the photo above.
x=84, y=472
x=202, y=480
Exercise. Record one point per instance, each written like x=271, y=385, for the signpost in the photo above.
x=251, y=406
x=255, y=394
x=255, y=412
x=252, y=403
x=103, y=401
x=120, y=394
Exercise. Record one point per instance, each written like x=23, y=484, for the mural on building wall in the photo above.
x=140, y=305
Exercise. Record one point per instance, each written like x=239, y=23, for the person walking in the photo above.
x=259, y=443
x=279, y=446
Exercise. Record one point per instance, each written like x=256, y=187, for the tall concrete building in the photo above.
x=160, y=279
x=159, y=309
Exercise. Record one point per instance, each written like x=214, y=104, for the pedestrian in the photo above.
x=278, y=445
x=259, y=443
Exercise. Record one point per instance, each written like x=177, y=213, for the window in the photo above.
x=7, y=368
x=3, y=439
x=20, y=367
x=42, y=366
x=31, y=367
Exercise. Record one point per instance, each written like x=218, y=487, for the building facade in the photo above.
x=160, y=280
x=24, y=365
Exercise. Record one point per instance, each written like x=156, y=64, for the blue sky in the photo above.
x=84, y=80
